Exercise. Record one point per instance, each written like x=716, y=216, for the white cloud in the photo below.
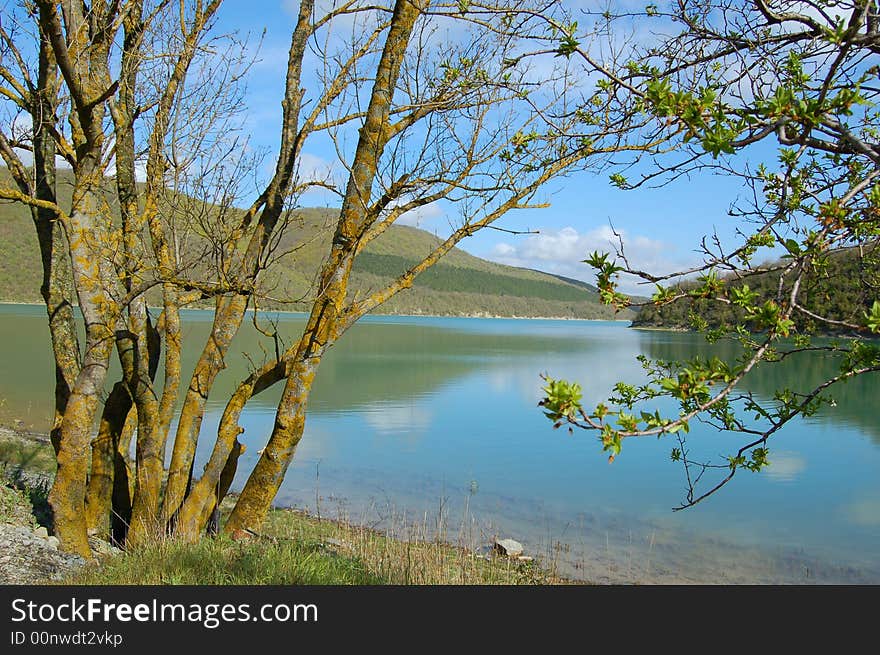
x=418, y=217
x=785, y=466
x=504, y=250
x=140, y=170
x=314, y=169
x=562, y=252
x=393, y=419
x=21, y=126
x=27, y=157
x=864, y=511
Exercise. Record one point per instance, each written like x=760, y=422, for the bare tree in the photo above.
x=78, y=43
x=423, y=102
x=467, y=126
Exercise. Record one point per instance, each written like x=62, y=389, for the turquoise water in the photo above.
x=434, y=422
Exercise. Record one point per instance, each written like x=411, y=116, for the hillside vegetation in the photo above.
x=459, y=285
x=839, y=291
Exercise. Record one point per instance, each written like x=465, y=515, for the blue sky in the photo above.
x=661, y=227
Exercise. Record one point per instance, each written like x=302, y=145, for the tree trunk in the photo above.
x=56, y=287
x=93, y=279
x=230, y=310
x=148, y=451
x=81, y=47
x=323, y=327
x=212, y=510
x=120, y=511
x=198, y=502
x=262, y=486
x=67, y=497
x=100, y=490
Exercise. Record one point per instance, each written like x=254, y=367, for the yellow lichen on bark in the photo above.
x=323, y=328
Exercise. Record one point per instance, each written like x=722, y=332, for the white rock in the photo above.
x=102, y=547
x=509, y=547
x=53, y=542
x=42, y=532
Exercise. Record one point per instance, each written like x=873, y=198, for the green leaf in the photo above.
x=873, y=318
x=793, y=247
x=618, y=180
x=562, y=400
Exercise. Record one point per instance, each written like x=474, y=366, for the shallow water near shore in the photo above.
x=419, y=425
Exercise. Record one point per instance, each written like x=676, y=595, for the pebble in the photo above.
x=509, y=547
x=31, y=559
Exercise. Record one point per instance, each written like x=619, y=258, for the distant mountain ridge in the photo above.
x=840, y=292
x=460, y=284
x=570, y=280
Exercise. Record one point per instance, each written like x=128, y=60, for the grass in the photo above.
x=26, y=465
x=293, y=547
x=16, y=507
x=26, y=454
x=416, y=557
x=222, y=561
x=296, y=548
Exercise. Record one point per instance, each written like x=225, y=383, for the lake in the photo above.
x=424, y=424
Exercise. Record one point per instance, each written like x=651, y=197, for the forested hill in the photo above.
x=459, y=285
x=839, y=292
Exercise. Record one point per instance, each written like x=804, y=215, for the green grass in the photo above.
x=222, y=561
x=444, y=277
x=26, y=465
x=298, y=549
x=413, y=555
x=25, y=468
x=15, y=507
x=27, y=454
x=293, y=547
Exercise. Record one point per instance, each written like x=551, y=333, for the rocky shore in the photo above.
x=32, y=557
x=29, y=555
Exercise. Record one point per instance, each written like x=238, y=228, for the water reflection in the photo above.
x=865, y=511
x=435, y=421
x=855, y=401
x=786, y=466
x=390, y=419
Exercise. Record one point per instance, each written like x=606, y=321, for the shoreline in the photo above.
x=392, y=314
x=660, y=328
x=588, y=561
x=281, y=518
